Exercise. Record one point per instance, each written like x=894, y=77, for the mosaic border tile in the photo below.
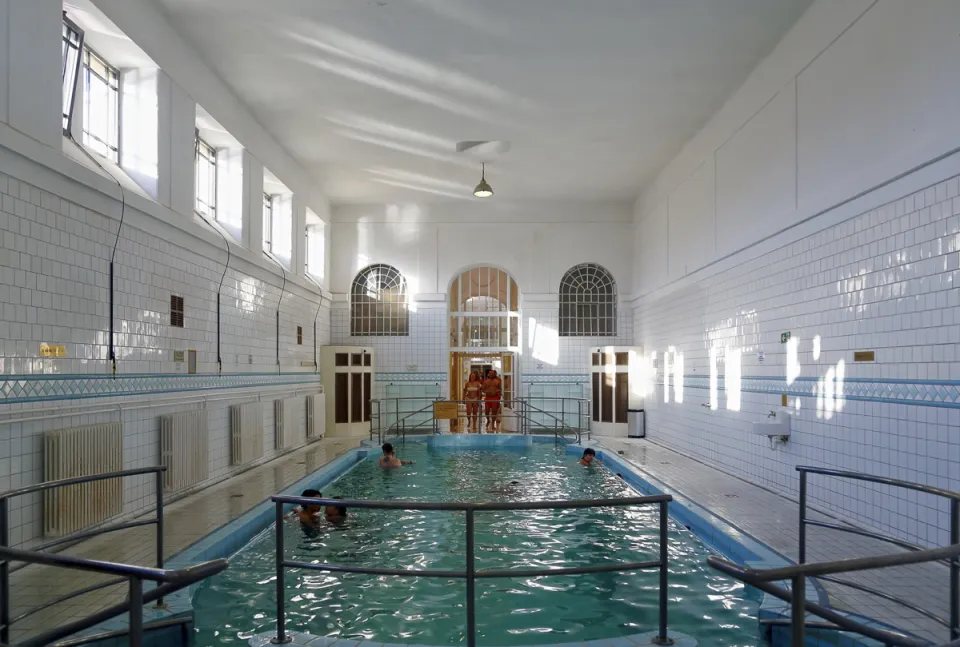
x=16, y=389
x=554, y=378
x=410, y=377
x=926, y=393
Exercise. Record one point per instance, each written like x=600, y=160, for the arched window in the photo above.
x=588, y=302
x=378, y=303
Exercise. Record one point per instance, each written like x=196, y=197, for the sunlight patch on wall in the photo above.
x=733, y=374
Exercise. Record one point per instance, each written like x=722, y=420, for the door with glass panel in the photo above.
x=347, y=378
x=614, y=388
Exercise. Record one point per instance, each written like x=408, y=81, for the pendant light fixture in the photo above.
x=483, y=189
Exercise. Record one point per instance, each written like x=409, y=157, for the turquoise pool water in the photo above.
x=240, y=602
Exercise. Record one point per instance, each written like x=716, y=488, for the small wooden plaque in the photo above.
x=864, y=356
x=445, y=410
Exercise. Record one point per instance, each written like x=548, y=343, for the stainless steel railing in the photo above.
x=134, y=575
x=825, y=571
x=415, y=414
x=470, y=572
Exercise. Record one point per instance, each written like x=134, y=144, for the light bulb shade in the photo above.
x=483, y=190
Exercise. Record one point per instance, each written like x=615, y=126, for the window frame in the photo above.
x=372, y=315
x=113, y=85
x=68, y=105
x=267, y=223
x=587, y=302
x=207, y=153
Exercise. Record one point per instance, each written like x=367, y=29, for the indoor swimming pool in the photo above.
x=240, y=602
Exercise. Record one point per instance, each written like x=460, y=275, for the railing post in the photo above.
x=802, y=530
x=158, y=483
x=797, y=611
x=955, y=571
x=471, y=582
x=136, y=612
x=281, y=593
x=563, y=412
x=662, y=638
x=5, y=573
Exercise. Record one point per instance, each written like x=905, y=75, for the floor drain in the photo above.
x=236, y=496
x=732, y=496
x=664, y=462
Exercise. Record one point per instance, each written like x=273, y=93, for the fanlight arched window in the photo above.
x=378, y=303
x=588, y=302
x=484, y=309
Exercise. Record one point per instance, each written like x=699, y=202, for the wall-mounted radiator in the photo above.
x=246, y=433
x=316, y=416
x=287, y=426
x=184, y=450
x=82, y=451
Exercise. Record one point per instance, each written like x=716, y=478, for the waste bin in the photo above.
x=636, y=423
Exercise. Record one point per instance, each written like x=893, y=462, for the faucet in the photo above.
x=772, y=414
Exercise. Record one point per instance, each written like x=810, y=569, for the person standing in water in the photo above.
x=471, y=395
x=492, y=392
x=588, y=457
x=389, y=459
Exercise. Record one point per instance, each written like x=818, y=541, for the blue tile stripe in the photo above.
x=928, y=393
x=554, y=378
x=432, y=378
x=39, y=388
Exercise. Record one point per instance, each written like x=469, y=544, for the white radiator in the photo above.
x=287, y=426
x=316, y=416
x=184, y=450
x=246, y=433
x=82, y=451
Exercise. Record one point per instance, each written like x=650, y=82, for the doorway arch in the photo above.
x=484, y=329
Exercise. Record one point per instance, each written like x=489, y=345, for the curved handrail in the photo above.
x=174, y=581
x=110, y=568
x=760, y=580
x=860, y=476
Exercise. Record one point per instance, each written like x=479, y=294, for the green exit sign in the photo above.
x=784, y=337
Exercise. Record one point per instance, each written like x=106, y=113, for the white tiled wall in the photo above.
x=422, y=351
x=887, y=280
x=54, y=288
x=565, y=355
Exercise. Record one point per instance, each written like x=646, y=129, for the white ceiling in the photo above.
x=594, y=96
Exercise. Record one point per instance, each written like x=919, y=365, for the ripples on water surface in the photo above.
x=240, y=602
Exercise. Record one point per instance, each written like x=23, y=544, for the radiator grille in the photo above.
x=316, y=416
x=287, y=427
x=184, y=449
x=82, y=451
x=246, y=433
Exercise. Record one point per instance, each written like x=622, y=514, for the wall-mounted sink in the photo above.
x=776, y=425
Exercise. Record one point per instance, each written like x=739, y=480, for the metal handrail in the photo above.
x=471, y=573
x=915, y=556
x=36, y=556
x=799, y=606
x=169, y=581
x=563, y=424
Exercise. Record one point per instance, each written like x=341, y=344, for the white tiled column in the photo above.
x=299, y=255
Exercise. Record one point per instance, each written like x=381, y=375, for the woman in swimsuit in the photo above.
x=471, y=395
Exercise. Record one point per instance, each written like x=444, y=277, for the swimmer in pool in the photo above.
x=308, y=514
x=389, y=459
x=588, y=457
x=509, y=488
x=335, y=514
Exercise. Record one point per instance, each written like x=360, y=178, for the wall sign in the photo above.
x=178, y=355
x=53, y=350
x=191, y=361
x=445, y=410
x=784, y=337
x=760, y=356
x=864, y=356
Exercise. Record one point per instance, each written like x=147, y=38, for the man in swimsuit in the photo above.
x=389, y=459
x=308, y=514
x=492, y=392
x=589, y=455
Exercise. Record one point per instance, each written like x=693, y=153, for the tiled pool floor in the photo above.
x=772, y=520
x=185, y=521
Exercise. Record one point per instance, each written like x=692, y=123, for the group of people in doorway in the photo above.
x=488, y=390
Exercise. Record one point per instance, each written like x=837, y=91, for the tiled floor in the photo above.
x=772, y=519
x=185, y=521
